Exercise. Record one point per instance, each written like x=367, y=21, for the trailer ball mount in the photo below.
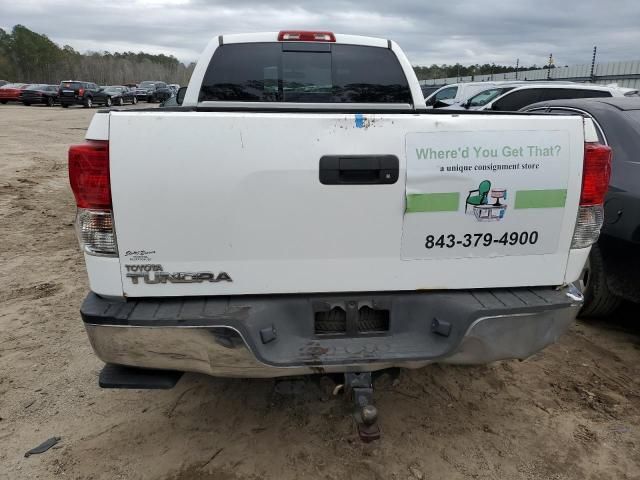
x=358, y=387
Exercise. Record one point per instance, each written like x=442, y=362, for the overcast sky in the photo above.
x=430, y=31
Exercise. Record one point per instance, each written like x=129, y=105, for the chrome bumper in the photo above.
x=200, y=347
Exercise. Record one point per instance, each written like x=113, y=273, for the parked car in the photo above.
x=457, y=93
x=120, y=95
x=483, y=98
x=175, y=87
x=40, y=93
x=3, y=83
x=612, y=272
x=152, y=91
x=213, y=255
x=162, y=94
x=523, y=95
x=87, y=94
x=454, y=95
x=11, y=92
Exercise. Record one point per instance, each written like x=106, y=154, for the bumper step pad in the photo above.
x=117, y=376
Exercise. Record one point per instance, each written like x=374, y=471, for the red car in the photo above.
x=11, y=92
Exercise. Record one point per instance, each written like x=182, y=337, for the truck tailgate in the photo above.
x=209, y=203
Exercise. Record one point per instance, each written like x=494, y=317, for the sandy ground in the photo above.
x=571, y=412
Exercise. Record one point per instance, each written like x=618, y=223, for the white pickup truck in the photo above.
x=302, y=212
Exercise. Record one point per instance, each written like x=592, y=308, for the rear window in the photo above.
x=71, y=85
x=304, y=73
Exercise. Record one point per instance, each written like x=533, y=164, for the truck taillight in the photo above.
x=305, y=36
x=90, y=182
x=89, y=174
x=596, y=173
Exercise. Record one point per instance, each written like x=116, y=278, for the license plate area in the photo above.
x=351, y=321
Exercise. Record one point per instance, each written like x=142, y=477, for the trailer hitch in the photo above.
x=359, y=388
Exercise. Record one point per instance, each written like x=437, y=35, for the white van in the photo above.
x=457, y=93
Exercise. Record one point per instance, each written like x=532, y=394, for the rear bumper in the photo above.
x=71, y=100
x=226, y=336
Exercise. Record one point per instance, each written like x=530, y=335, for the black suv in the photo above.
x=73, y=92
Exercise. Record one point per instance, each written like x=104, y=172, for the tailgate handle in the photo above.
x=359, y=169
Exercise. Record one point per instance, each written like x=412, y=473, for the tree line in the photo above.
x=458, y=70
x=27, y=56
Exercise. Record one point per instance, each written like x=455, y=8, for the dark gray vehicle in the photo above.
x=40, y=94
x=120, y=94
x=152, y=91
x=87, y=94
x=613, y=271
